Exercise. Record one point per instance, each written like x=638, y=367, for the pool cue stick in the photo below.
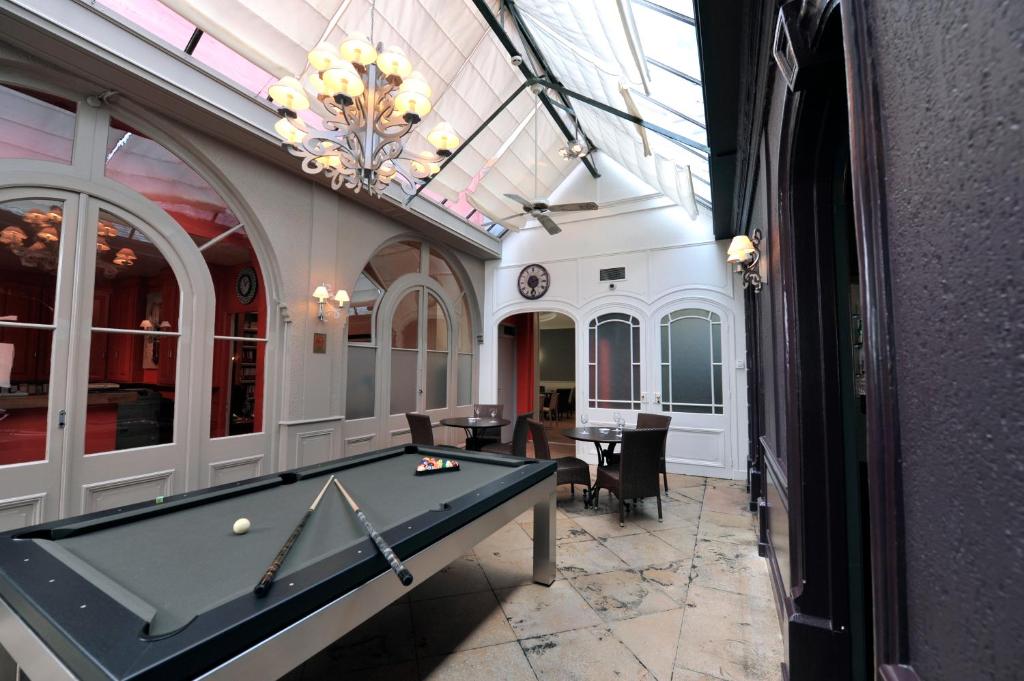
x=268, y=577
x=404, y=576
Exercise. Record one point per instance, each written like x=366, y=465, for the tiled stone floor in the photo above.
x=687, y=599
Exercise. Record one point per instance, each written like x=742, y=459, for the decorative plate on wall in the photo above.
x=246, y=285
x=533, y=282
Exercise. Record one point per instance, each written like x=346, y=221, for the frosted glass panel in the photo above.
x=359, y=393
x=437, y=380
x=437, y=325
x=35, y=125
x=403, y=381
x=614, y=351
x=691, y=361
x=465, y=395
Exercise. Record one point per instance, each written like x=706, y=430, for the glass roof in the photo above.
x=644, y=61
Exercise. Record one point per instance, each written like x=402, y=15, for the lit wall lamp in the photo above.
x=744, y=254
x=321, y=293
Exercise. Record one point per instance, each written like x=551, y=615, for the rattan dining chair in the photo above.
x=636, y=476
x=517, y=446
x=571, y=471
x=647, y=420
x=420, y=428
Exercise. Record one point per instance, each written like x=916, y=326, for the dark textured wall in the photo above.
x=951, y=79
x=557, y=355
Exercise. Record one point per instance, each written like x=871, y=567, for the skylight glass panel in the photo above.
x=677, y=93
x=154, y=17
x=228, y=63
x=667, y=40
x=684, y=7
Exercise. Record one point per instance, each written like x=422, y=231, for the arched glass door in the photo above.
x=89, y=365
x=420, y=360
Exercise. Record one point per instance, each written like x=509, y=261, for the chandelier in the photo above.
x=369, y=99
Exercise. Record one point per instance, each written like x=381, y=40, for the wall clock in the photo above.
x=246, y=285
x=533, y=282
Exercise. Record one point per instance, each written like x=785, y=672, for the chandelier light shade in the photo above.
x=369, y=98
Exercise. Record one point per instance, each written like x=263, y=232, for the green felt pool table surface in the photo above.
x=169, y=568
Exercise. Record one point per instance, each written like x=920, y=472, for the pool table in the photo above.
x=164, y=589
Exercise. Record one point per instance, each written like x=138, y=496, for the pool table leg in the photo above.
x=544, y=539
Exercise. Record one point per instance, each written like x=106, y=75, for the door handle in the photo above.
x=420, y=391
x=657, y=398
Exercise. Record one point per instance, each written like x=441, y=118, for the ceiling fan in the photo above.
x=539, y=211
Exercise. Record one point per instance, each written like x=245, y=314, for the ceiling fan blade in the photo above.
x=510, y=217
x=520, y=200
x=563, y=207
x=548, y=224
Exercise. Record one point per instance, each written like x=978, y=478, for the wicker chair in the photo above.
x=486, y=436
x=550, y=410
x=637, y=474
x=571, y=471
x=421, y=429
x=646, y=420
x=518, y=444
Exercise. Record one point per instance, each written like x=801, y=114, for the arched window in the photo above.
x=614, y=360
x=240, y=319
x=421, y=328
x=691, y=362
x=35, y=125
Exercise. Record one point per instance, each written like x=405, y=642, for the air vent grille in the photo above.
x=613, y=274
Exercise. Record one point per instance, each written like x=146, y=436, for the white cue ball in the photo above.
x=241, y=526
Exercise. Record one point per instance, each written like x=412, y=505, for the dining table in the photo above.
x=605, y=439
x=474, y=424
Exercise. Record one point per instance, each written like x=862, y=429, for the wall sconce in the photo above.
x=744, y=254
x=321, y=293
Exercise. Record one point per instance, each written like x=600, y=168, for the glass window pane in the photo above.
x=441, y=271
x=238, y=284
x=405, y=323
x=403, y=381
x=360, y=390
x=154, y=17
x=677, y=93
x=716, y=342
x=135, y=287
x=668, y=40
x=364, y=299
x=237, y=399
x=394, y=261
x=465, y=392
x=437, y=325
x=614, y=365
x=24, y=393
x=231, y=65
x=664, y=338
x=35, y=125
x=30, y=246
x=119, y=416
x=437, y=380
x=691, y=360
x=465, y=329
x=717, y=376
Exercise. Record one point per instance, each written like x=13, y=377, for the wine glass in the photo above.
x=476, y=411
x=618, y=421
x=494, y=412
x=584, y=417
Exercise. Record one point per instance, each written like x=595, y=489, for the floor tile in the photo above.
x=728, y=527
x=566, y=530
x=403, y=671
x=695, y=494
x=683, y=538
x=731, y=567
x=586, y=654
x=652, y=638
x=621, y=595
x=673, y=579
x=535, y=610
x=444, y=625
x=586, y=558
x=606, y=525
x=644, y=550
x=723, y=498
x=464, y=575
x=385, y=638
x=733, y=636
x=690, y=675
x=508, y=568
x=511, y=536
x=675, y=514
x=677, y=481
x=506, y=662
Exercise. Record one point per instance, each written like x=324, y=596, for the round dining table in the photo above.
x=604, y=439
x=474, y=424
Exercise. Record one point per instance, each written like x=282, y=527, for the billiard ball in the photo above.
x=241, y=526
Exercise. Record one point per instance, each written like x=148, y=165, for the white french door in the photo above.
x=417, y=330
x=97, y=337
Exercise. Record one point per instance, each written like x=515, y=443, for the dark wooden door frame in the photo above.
x=888, y=565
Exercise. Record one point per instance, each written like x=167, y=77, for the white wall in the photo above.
x=671, y=262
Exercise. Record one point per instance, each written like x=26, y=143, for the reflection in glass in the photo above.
x=237, y=398
x=30, y=246
x=133, y=403
x=614, y=361
x=393, y=261
x=363, y=301
x=691, y=367
x=437, y=325
x=24, y=393
x=35, y=125
x=405, y=323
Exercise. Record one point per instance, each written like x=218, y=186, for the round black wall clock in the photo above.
x=246, y=285
x=533, y=282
